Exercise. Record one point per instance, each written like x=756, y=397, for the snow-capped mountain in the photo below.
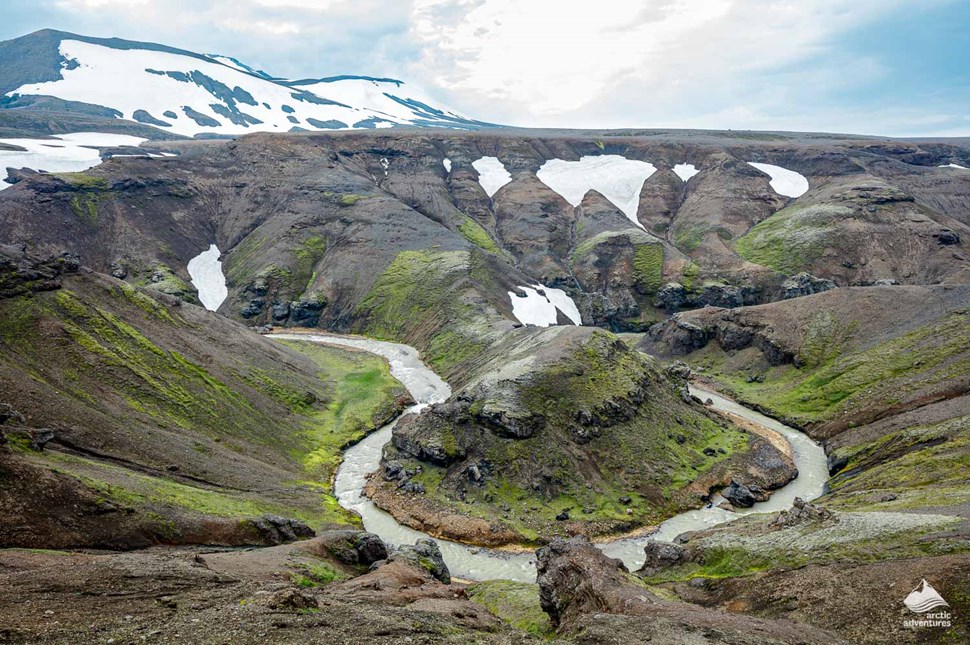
x=194, y=94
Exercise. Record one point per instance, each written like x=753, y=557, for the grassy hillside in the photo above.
x=175, y=414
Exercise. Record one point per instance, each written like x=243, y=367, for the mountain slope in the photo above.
x=193, y=94
x=162, y=421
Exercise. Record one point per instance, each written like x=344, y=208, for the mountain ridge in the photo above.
x=194, y=94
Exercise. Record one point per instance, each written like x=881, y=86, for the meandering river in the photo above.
x=479, y=563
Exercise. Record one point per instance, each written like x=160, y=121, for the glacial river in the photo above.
x=480, y=563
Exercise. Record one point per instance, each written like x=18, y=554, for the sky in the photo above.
x=890, y=67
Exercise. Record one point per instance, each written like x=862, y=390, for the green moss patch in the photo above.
x=793, y=238
x=834, y=382
x=421, y=299
x=648, y=267
x=516, y=603
x=474, y=233
x=363, y=397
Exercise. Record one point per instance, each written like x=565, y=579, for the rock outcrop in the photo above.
x=424, y=554
x=21, y=273
x=590, y=596
x=804, y=284
x=353, y=547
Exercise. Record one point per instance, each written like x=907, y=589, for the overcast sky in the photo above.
x=896, y=67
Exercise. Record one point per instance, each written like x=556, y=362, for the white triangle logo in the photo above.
x=924, y=598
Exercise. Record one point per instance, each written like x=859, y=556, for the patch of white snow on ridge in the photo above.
x=685, y=171
x=446, y=162
x=783, y=181
x=64, y=153
x=617, y=178
x=541, y=310
x=205, y=269
x=954, y=165
x=492, y=174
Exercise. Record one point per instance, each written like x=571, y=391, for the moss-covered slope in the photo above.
x=882, y=374
x=170, y=414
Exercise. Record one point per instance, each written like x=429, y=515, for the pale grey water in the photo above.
x=479, y=563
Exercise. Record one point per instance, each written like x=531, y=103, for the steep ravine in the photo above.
x=478, y=563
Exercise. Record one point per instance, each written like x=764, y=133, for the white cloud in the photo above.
x=621, y=63
x=783, y=64
x=274, y=27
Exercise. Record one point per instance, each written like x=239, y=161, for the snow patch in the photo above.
x=685, y=171
x=954, y=165
x=540, y=309
x=64, y=153
x=447, y=164
x=617, y=178
x=783, y=181
x=492, y=174
x=205, y=269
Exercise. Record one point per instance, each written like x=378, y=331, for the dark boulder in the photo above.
x=118, y=270
x=739, y=495
x=281, y=530
x=946, y=237
x=660, y=555
x=353, y=547
x=424, y=554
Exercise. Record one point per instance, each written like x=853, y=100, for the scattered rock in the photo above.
x=679, y=370
x=947, y=237
x=414, y=488
x=800, y=513
x=562, y=517
x=394, y=471
x=289, y=598
x=40, y=437
x=118, y=270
